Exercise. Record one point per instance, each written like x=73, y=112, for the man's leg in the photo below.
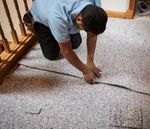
x=47, y=41
x=76, y=40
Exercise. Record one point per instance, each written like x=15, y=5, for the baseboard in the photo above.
x=125, y=15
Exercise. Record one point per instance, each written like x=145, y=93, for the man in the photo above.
x=57, y=24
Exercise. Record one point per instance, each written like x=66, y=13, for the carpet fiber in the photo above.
x=122, y=54
x=36, y=96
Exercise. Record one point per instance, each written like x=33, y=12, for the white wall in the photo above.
x=115, y=5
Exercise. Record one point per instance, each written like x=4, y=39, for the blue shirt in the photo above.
x=59, y=15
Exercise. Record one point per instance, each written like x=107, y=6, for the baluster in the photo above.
x=22, y=28
x=0, y=60
x=4, y=40
x=26, y=5
x=1, y=50
x=13, y=32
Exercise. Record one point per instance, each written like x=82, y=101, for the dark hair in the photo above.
x=27, y=18
x=94, y=19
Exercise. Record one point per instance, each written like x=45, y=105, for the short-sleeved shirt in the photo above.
x=60, y=15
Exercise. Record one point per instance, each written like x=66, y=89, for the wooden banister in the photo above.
x=12, y=51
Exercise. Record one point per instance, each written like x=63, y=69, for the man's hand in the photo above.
x=89, y=71
x=94, y=69
x=89, y=76
x=76, y=62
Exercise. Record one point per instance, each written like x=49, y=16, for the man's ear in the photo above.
x=79, y=21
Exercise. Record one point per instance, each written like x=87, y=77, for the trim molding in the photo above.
x=126, y=15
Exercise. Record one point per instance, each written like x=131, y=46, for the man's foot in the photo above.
x=29, y=21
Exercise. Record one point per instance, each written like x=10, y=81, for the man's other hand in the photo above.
x=89, y=76
x=94, y=69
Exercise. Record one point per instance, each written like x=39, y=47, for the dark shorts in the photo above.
x=49, y=45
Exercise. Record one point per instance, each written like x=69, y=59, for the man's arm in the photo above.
x=91, y=45
x=73, y=59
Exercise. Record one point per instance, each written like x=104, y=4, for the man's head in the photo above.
x=92, y=19
x=29, y=21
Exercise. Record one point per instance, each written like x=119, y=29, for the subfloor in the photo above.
x=43, y=94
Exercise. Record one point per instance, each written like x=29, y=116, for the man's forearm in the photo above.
x=91, y=45
x=75, y=61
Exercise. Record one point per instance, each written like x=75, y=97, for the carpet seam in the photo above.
x=97, y=82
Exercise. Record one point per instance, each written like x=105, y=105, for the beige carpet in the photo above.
x=122, y=54
x=34, y=98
